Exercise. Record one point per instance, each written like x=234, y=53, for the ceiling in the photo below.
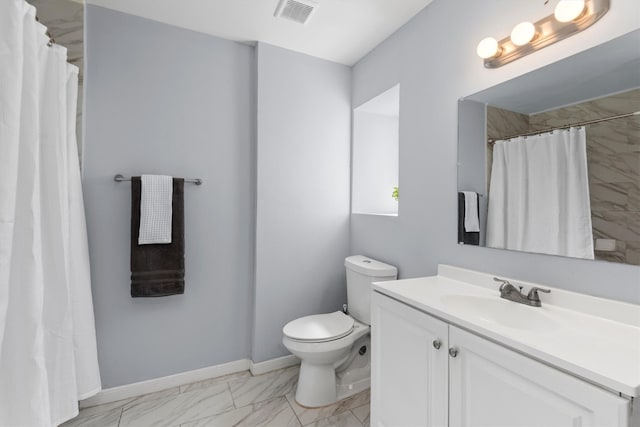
x=342, y=31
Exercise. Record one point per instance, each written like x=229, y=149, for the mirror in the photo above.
x=543, y=186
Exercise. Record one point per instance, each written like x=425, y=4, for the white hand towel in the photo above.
x=156, y=198
x=471, y=220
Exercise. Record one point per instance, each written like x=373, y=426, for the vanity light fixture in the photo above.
x=488, y=47
x=568, y=10
x=523, y=33
x=569, y=17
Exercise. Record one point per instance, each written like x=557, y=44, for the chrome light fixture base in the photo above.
x=549, y=30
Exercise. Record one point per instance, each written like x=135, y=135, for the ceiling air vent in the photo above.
x=295, y=10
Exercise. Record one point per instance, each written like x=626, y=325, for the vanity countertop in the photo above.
x=593, y=338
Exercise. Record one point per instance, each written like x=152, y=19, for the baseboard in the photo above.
x=273, y=364
x=157, y=384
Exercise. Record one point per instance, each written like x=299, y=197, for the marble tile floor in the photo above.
x=233, y=400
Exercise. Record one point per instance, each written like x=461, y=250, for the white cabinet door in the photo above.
x=409, y=378
x=493, y=386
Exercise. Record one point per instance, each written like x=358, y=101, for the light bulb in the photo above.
x=568, y=10
x=523, y=33
x=487, y=48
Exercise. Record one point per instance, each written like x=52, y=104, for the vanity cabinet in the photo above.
x=471, y=381
x=490, y=385
x=409, y=380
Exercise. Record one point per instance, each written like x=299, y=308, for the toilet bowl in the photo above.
x=334, y=348
x=322, y=353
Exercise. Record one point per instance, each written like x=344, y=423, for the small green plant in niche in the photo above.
x=395, y=194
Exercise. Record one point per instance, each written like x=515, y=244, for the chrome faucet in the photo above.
x=510, y=292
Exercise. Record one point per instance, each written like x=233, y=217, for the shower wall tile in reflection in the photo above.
x=620, y=103
x=504, y=123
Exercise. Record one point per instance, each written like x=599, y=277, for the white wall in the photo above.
x=433, y=58
x=169, y=101
x=375, y=162
x=302, y=212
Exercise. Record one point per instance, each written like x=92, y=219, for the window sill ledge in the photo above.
x=392, y=215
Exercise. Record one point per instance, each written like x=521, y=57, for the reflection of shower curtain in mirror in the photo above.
x=48, y=357
x=539, y=197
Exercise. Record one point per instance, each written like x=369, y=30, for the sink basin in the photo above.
x=500, y=311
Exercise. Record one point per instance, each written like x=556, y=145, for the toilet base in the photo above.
x=328, y=394
x=322, y=384
x=316, y=385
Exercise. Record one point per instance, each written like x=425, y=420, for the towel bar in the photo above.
x=119, y=178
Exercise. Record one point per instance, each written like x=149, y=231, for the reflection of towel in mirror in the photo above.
x=464, y=236
x=471, y=220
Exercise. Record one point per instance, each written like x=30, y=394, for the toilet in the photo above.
x=334, y=348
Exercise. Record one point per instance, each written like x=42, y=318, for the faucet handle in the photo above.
x=502, y=281
x=505, y=283
x=533, y=293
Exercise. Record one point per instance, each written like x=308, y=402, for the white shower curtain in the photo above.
x=539, y=195
x=48, y=358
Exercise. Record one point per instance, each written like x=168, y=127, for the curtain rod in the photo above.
x=119, y=178
x=492, y=141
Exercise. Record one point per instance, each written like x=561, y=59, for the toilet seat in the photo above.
x=319, y=327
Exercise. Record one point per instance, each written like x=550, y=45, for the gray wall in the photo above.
x=169, y=101
x=433, y=58
x=302, y=221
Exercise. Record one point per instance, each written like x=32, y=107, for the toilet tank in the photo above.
x=362, y=271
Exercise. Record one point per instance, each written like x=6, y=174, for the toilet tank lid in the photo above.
x=370, y=267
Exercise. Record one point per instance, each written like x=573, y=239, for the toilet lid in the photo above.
x=319, y=327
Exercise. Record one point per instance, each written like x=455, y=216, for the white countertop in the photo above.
x=590, y=337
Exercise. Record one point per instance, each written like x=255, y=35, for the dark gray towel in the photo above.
x=157, y=270
x=466, y=237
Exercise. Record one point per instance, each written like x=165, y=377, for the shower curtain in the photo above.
x=539, y=195
x=48, y=358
